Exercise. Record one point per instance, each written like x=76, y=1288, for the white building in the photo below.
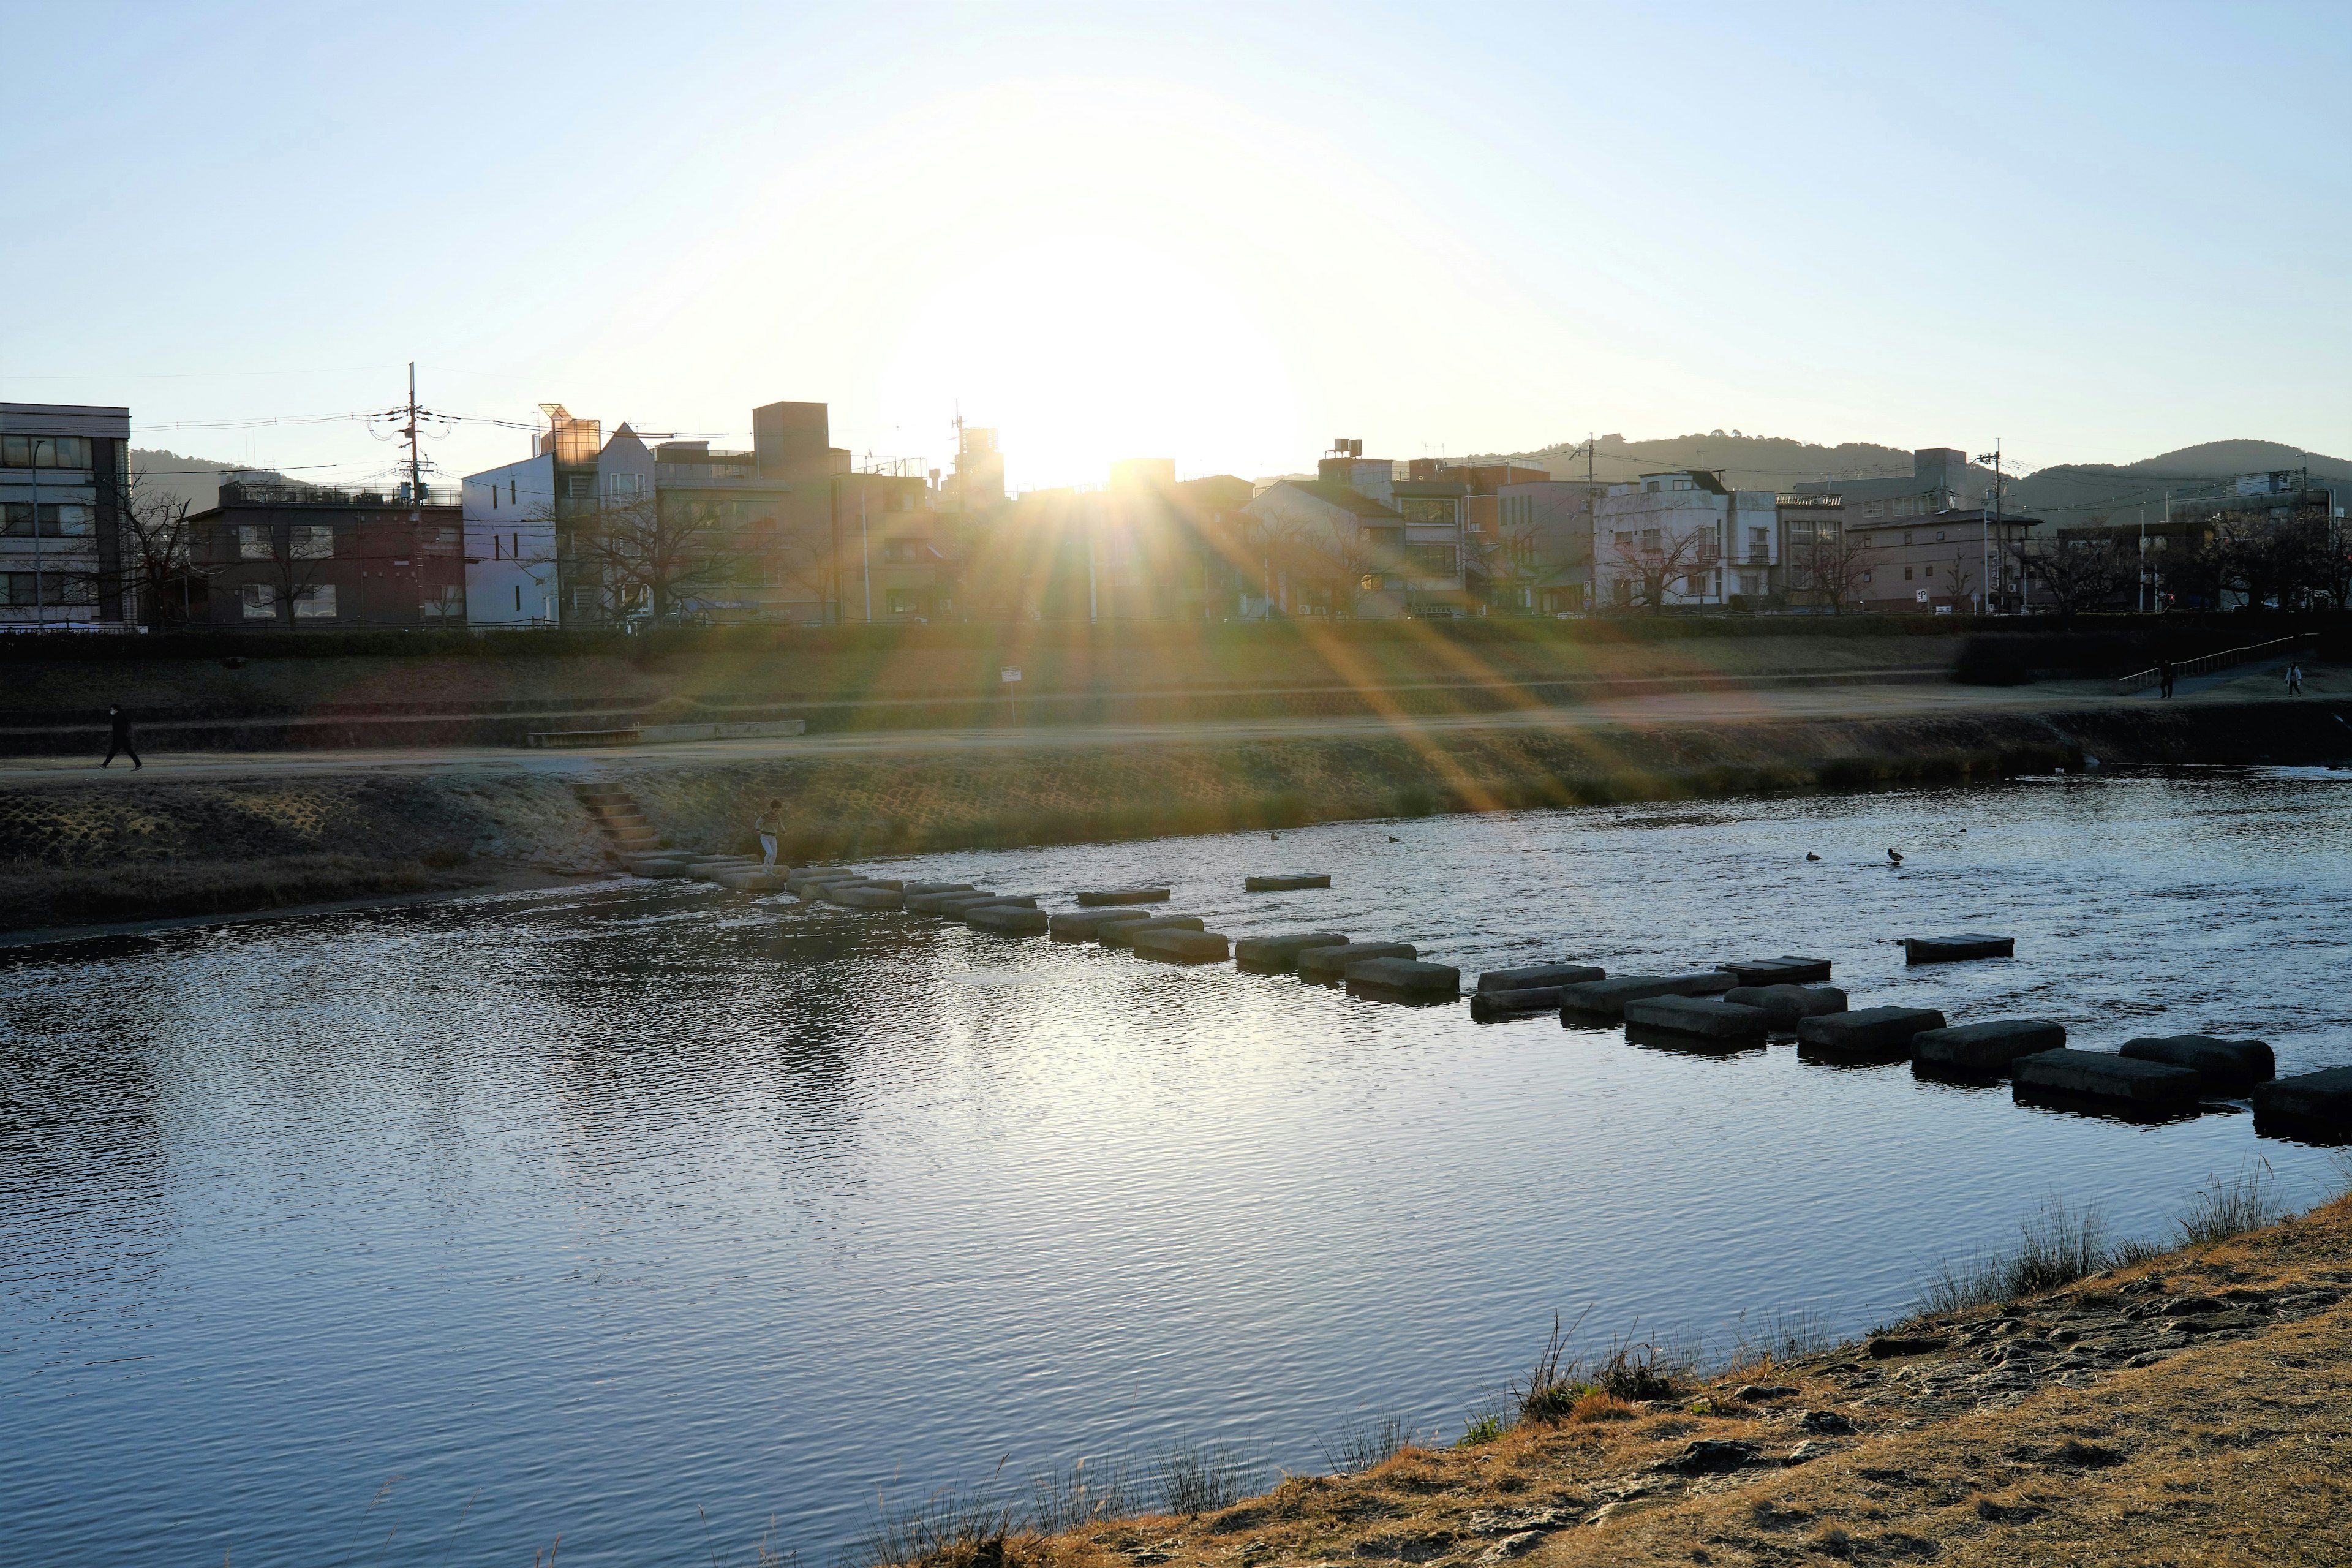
x=513, y=576
x=1696, y=539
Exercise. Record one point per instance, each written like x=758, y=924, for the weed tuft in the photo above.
x=1364, y=1441
x=2056, y=1247
x=1201, y=1478
x=2248, y=1201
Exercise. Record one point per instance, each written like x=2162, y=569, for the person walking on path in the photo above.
x=770, y=824
x=2164, y=677
x=117, y=738
x=2294, y=678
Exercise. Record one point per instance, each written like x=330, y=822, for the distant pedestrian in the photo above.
x=117, y=738
x=2294, y=678
x=770, y=824
x=2164, y=677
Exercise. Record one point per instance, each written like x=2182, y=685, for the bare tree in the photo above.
x=1962, y=579
x=1648, y=560
x=156, y=564
x=2077, y=575
x=1494, y=568
x=1345, y=566
x=651, y=553
x=1836, y=565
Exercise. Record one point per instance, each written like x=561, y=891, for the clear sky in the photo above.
x=1223, y=234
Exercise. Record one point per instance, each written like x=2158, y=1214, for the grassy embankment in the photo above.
x=2072, y=1402
x=85, y=850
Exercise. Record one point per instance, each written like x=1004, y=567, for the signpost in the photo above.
x=1010, y=676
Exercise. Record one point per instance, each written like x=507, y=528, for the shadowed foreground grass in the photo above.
x=2017, y=1419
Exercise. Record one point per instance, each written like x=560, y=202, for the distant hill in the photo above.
x=198, y=479
x=1746, y=462
x=2071, y=491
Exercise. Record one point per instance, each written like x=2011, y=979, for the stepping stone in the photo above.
x=1403, y=979
x=1788, y=970
x=1018, y=920
x=1607, y=998
x=2228, y=1066
x=1494, y=1006
x=1702, y=1017
x=1177, y=945
x=870, y=897
x=751, y=881
x=2100, y=1075
x=838, y=892
x=1324, y=966
x=937, y=903
x=2316, y=1103
x=1086, y=925
x=1786, y=1005
x=1279, y=954
x=1551, y=975
x=955, y=906
x=799, y=874
x=913, y=887
x=1952, y=949
x=1096, y=897
x=657, y=867
x=1122, y=933
x=1987, y=1047
x=1285, y=884
x=1872, y=1034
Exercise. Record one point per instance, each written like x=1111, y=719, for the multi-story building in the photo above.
x=1358, y=540
x=1957, y=561
x=1527, y=537
x=1683, y=538
x=292, y=557
x=1940, y=480
x=591, y=532
x=63, y=472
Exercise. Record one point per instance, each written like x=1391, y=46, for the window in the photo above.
x=1939, y=536
x=623, y=487
x=59, y=520
x=1425, y=509
x=1695, y=585
x=1865, y=577
x=1907, y=574
x=315, y=603
x=1624, y=544
x=1760, y=546
x=902, y=602
x=252, y=542
x=1433, y=560
x=1389, y=536
x=497, y=547
x=309, y=541
x=1651, y=542
x=510, y=493
x=1906, y=536
x=579, y=487
x=518, y=596
x=44, y=451
x=51, y=588
x=1929, y=570
x=260, y=602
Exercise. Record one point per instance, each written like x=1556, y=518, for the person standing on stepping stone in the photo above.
x=771, y=823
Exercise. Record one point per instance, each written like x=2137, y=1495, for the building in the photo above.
x=1682, y=538
x=1940, y=480
x=64, y=473
x=1527, y=537
x=1355, y=540
x=1947, y=562
x=589, y=532
x=977, y=485
x=292, y=557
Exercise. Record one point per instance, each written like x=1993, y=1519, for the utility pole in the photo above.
x=1991, y=521
x=415, y=459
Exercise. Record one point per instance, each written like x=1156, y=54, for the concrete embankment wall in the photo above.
x=88, y=849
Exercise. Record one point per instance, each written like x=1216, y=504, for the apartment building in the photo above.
x=1358, y=540
x=1527, y=537
x=1957, y=561
x=63, y=472
x=276, y=556
x=1683, y=538
x=588, y=530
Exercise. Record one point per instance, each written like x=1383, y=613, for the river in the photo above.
x=432, y=1235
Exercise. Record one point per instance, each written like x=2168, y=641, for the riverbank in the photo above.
x=2185, y=1409
x=80, y=848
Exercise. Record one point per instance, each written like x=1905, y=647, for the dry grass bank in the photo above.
x=2191, y=1408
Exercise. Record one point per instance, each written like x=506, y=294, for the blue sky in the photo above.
x=1223, y=234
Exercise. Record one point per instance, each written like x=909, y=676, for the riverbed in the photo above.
x=435, y=1233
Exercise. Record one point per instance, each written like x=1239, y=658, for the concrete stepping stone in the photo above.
x=1279, y=954
x=1324, y=966
x=1494, y=1006
x=1179, y=945
x=936, y=903
x=658, y=866
x=1086, y=925
x=1786, y=970
x=1018, y=920
x=954, y=906
x=1786, y=1005
x=1703, y=1017
x=1403, y=980
x=870, y=896
x=2317, y=1105
x=914, y=887
x=2102, y=1075
x=1122, y=933
x=1286, y=884
x=1607, y=998
x=752, y=881
x=2228, y=1066
x=1953, y=949
x=800, y=874
x=1540, y=975
x=1869, y=1034
x=1988, y=1047
x=1096, y=897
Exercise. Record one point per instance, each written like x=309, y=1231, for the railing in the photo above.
x=2144, y=678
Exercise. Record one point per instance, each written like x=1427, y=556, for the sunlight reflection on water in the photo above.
x=610, y=1204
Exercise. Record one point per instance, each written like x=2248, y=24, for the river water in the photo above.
x=434, y=1235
